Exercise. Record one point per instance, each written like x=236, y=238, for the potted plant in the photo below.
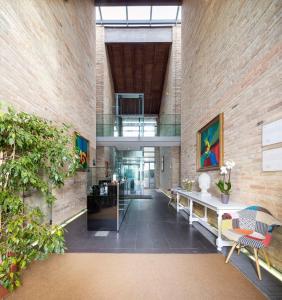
x=224, y=183
x=35, y=157
x=187, y=184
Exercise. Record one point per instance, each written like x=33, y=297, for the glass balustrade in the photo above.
x=108, y=199
x=138, y=125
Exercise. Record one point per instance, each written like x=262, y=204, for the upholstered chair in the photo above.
x=252, y=227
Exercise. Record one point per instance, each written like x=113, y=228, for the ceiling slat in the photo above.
x=140, y=68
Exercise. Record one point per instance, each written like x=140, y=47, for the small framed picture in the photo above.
x=82, y=145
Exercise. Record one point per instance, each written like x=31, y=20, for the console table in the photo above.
x=212, y=203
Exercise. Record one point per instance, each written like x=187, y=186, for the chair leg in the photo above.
x=257, y=263
x=230, y=252
x=266, y=257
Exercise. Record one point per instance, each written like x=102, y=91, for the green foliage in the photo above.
x=35, y=156
x=224, y=187
x=10, y=275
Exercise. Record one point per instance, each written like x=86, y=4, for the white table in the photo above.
x=212, y=203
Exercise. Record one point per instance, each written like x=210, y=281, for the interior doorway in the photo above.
x=149, y=167
x=149, y=175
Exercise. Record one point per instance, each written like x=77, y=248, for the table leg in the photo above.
x=206, y=214
x=191, y=211
x=219, y=239
x=177, y=202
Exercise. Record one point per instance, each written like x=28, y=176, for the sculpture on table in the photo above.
x=204, y=184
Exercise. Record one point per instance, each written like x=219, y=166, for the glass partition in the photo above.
x=138, y=126
x=107, y=200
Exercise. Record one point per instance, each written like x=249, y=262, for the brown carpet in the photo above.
x=83, y=276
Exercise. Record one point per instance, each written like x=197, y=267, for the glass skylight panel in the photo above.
x=164, y=12
x=115, y=13
x=179, y=14
x=139, y=12
x=98, y=17
x=141, y=15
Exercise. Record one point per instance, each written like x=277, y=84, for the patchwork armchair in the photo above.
x=251, y=227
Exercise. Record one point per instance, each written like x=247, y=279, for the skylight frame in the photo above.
x=128, y=21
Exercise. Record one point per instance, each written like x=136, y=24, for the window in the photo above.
x=138, y=15
x=98, y=16
x=115, y=13
x=164, y=12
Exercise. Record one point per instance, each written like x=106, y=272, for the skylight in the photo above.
x=138, y=15
x=139, y=12
x=179, y=14
x=98, y=16
x=164, y=12
x=115, y=13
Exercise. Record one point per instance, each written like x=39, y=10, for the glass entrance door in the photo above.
x=149, y=175
x=133, y=176
x=149, y=167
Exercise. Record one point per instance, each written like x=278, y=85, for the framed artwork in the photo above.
x=210, y=145
x=82, y=145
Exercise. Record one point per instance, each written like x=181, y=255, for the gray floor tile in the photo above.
x=150, y=226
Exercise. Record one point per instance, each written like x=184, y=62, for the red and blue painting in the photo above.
x=82, y=146
x=210, y=145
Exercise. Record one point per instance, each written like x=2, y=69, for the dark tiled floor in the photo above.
x=149, y=226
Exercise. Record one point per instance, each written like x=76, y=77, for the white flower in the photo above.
x=229, y=164
x=223, y=170
x=186, y=180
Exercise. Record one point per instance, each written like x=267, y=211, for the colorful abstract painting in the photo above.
x=82, y=145
x=210, y=145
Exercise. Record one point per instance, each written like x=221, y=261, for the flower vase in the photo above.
x=225, y=198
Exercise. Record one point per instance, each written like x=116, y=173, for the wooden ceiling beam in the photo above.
x=140, y=68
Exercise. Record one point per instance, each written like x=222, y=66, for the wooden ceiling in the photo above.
x=140, y=68
x=137, y=2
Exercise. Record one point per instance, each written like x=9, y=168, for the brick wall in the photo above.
x=169, y=177
x=105, y=99
x=171, y=104
x=171, y=97
x=47, y=51
x=104, y=83
x=231, y=63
